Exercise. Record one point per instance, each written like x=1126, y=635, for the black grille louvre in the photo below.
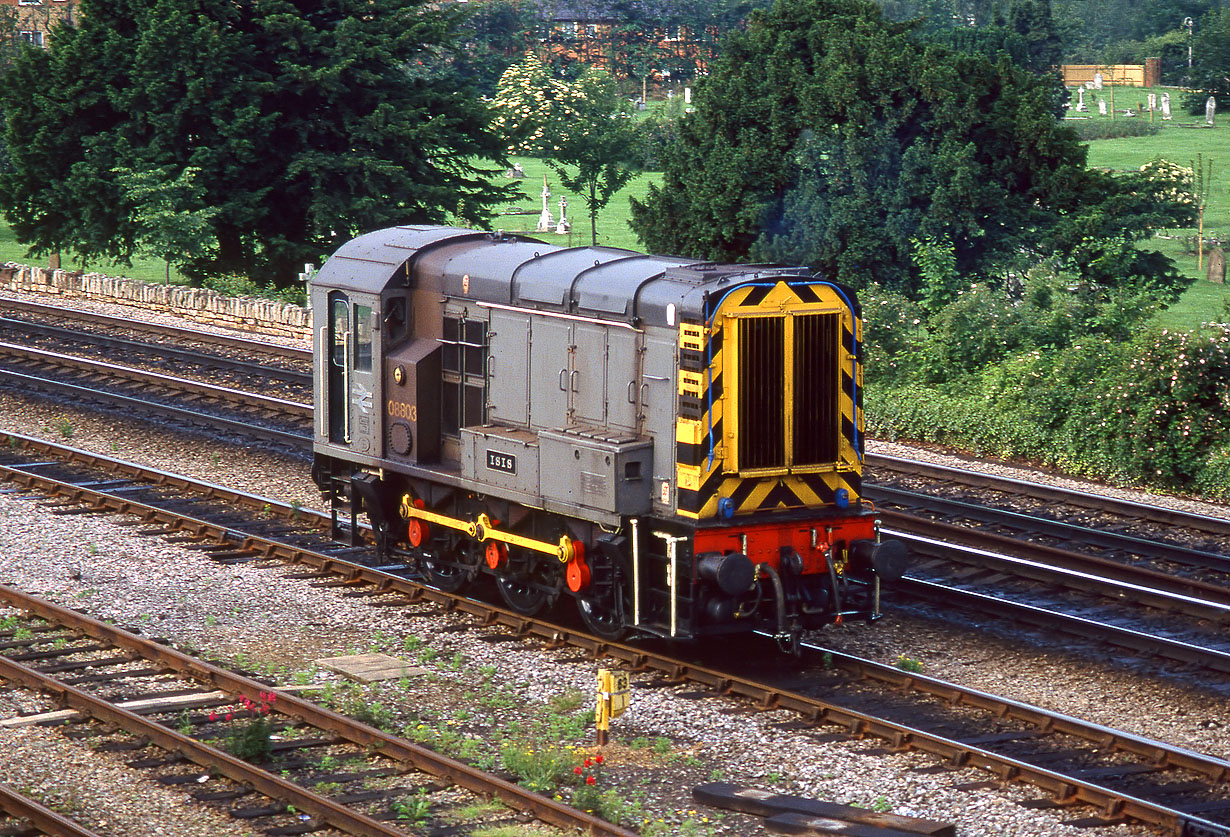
x=817, y=408
x=762, y=389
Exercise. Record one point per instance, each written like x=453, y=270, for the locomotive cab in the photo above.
x=674, y=445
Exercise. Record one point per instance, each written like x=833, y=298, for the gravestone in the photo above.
x=1152, y=101
x=1210, y=110
x=1097, y=81
x=1165, y=106
x=563, y=227
x=545, y=221
x=1081, y=107
x=687, y=95
x=1217, y=265
x=1102, y=106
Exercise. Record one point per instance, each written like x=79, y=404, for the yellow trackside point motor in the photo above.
x=612, y=700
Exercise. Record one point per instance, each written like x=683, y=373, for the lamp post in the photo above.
x=1187, y=21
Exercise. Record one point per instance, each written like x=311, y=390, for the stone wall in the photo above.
x=198, y=304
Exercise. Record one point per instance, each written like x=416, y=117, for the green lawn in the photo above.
x=1180, y=140
x=613, y=227
x=147, y=270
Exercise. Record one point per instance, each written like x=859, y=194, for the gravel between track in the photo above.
x=90, y=563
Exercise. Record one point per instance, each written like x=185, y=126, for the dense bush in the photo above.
x=987, y=324
x=1154, y=411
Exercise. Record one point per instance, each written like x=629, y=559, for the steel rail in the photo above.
x=1064, y=788
x=1173, y=649
x=255, y=346
x=235, y=769
x=145, y=377
x=105, y=341
x=1050, y=564
x=1085, y=499
x=41, y=817
x=300, y=441
x=1030, y=524
x=421, y=758
x=1156, y=752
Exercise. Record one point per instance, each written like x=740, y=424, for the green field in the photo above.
x=147, y=270
x=613, y=229
x=1183, y=139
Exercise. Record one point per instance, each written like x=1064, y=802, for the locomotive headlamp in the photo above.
x=399, y=374
x=726, y=507
x=841, y=498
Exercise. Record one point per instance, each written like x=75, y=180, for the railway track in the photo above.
x=1090, y=766
x=969, y=550
x=24, y=817
x=186, y=403
x=1048, y=496
x=33, y=314
x=120, y=680
x=163, y=354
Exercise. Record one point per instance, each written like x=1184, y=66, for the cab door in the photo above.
x=351, y=376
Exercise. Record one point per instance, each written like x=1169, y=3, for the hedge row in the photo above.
x=1152, y=412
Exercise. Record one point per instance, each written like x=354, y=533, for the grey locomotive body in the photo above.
x=674, y=444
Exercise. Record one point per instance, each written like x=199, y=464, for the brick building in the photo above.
x=34, y=19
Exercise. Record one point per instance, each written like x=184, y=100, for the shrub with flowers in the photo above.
x=528, y=103
x=249, y=741
x=1154, y=411
x=588, y=794
x=1167, y=416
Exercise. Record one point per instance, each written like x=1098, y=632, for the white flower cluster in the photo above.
x=1176, y=181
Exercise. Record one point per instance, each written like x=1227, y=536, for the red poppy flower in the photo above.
x=213, y=716
x=576, y=770
x=229, y=716
x=589, y=780
x=598, y=759
x=588, y=762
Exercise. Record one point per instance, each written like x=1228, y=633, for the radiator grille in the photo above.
x=788, y=389
x=762, y=389
x=817, y=411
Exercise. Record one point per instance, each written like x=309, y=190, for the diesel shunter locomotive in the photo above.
x=675, y=445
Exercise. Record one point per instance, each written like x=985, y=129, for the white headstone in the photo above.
x=1210, y=110
x=1165, y=106
x=563, y=226
x=545, y=221
x=687, y=95
x=1080, y=105
x=1097, y=81
x=1102, y=106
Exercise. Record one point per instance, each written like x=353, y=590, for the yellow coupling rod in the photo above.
x=484, y=530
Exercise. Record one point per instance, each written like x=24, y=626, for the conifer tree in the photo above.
x=308, y=121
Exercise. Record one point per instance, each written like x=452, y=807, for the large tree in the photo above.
x=828, y=136
x=1210, y=75
x=308, y=121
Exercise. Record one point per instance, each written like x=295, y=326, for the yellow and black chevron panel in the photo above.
x=770, y=393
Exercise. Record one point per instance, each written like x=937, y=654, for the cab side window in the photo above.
x=362, y=338
x=464, y=361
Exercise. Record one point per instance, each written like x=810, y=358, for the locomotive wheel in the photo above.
x=444, y=576
x=522, y=596
x=600, y=618
x=444, y=571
